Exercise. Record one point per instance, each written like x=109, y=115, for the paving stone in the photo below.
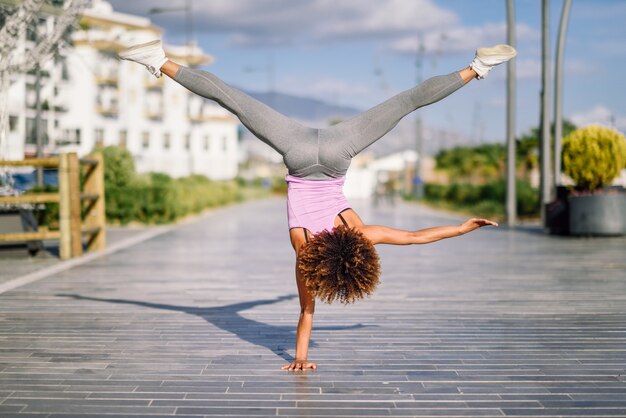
x=221, y=403
x=227, y=411
x=197, y=322
x=447, y=412
x=607, y=412
x=25, y=414
x=35, y=394
x=114, y=415
x=11, y=408
x=335, y=412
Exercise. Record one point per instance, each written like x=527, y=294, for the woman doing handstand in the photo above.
x=335, y=255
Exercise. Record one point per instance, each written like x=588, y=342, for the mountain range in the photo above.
x=304, y=108
x=317, y=113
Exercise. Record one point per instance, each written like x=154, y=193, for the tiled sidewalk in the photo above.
x=198, y=321
x=16, y=262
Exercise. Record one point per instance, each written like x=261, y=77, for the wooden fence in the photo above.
x=71, y=202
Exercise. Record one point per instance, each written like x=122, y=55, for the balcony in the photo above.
x=154, y=114
x=107, y=80
x=196, y=118
x=58, y=105
x=204, y=118
x=155, y=84
x=109, y=111
x=60, y=108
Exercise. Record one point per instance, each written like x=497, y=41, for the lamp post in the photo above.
x=38, y=109
x=558, y=90
x=511, y=191
x=188, y=9
x=544, y=149
x=418, y=184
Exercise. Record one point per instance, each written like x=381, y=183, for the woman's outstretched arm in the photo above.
x=379, y=234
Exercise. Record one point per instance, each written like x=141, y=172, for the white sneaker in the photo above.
x=150, y=55
x=487, y=58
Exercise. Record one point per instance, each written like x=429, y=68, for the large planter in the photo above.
x=598, y=214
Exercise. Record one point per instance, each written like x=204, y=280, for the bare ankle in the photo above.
x=170, y=68
x=468, y=74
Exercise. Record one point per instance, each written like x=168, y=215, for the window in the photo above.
x=31, y=33
x=123, y=138
x=99, y=137
x=13, y=120
x=145, y=140
x=65, y=72
x=207, y=139
x=188, y=141
x=70, y=136
x=166, y=141
x=31, y=133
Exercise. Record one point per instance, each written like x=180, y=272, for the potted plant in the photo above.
x=593, y=157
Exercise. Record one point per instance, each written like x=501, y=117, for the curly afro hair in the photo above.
x=340, y=264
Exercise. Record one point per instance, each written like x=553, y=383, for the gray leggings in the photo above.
x=312, y=153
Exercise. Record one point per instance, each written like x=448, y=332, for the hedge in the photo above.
x=484, y=200
x=156, y=197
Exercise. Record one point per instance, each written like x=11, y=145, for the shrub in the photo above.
x=119, y=166
x=527, y=199
x=157, y=197
x=488, y=209
x=484, y=200
x=435, y=191
x=593, y=156
x=480, y=163
x=495, y=191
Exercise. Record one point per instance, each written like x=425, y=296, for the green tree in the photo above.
x=528, y=148
x=479, y=164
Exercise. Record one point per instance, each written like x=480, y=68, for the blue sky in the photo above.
x=359, y=52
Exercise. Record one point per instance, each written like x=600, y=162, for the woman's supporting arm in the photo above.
x=307, y=309
x=379, y=234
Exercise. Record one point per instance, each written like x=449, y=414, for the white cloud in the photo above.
x=600, y=115
x=530, y=69
x=455, y=39
x=394, y=23
x=346, y=18
x=254, y=22
x=330, y=90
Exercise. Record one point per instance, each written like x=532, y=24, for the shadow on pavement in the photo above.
x=229, y=319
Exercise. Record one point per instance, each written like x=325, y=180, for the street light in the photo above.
x=511, y=91
x=418, y=183
x=189, y=16
x=558, y=91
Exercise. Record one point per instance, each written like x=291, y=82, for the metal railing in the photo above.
x=71, y=202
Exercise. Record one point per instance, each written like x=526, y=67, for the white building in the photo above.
x=367, y=172
x=90, y=98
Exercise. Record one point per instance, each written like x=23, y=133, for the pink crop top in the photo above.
x=314, y=204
